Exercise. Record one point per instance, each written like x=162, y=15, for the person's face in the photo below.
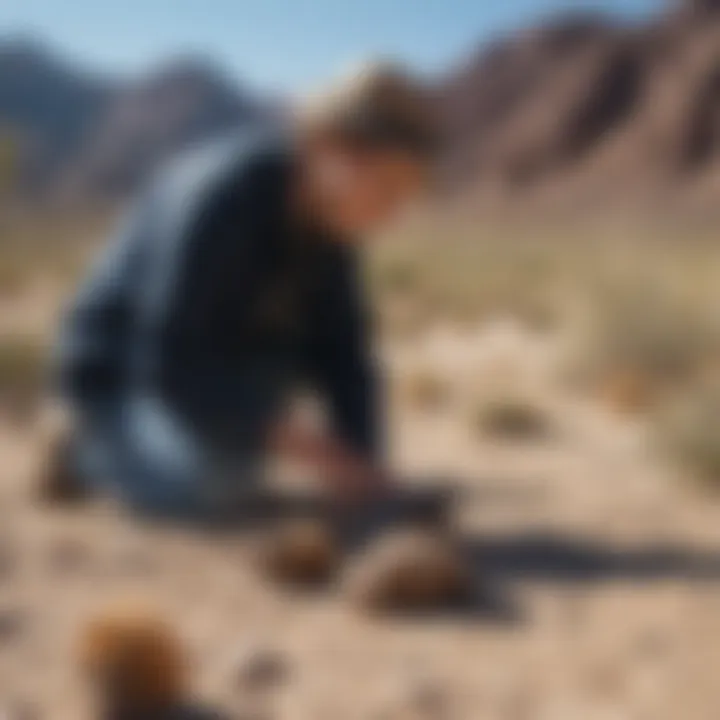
x=364, y=190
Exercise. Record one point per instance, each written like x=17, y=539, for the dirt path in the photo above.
x=601, y=579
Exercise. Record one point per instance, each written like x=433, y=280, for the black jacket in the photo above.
x=214, y=299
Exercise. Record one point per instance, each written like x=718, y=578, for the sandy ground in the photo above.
x=599, y=574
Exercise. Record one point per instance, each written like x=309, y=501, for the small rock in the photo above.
x=57, y=483
x=408, y=570
x=300, y=552
x=262, y=668
x=135, y=660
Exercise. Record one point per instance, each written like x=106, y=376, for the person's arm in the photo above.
x=204, y=276
x=342, y=369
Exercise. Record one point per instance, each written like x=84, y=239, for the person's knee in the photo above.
x=165, y=466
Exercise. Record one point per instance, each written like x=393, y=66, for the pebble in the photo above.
x=262, y=668
x=408, y=570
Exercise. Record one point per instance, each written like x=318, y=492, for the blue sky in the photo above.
x=280, y=44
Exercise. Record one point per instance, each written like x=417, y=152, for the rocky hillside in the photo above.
x=85, y=136
x=48, y=108
x=581, y=111
x=584, y=107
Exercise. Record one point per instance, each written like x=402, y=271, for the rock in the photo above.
x=514, y=418
x=135, y=661
x=408, y=570
x=261, y=668
x=299, y=552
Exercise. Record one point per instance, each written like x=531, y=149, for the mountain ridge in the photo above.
x=582, y=108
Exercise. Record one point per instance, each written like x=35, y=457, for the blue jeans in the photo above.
x=137, y=451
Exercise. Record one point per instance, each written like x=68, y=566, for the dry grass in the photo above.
x=466, y=274
x=425, y=390
x=638, y=306
x=55, y=245
x=22, y=370
x=687, y=432
x=36, y=250
x=15, y=275
x=644, y=336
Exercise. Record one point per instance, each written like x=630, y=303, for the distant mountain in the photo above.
x=83, y=136
x=183, y=102
x=50, y=108
x=580, y=110
x=592, y=109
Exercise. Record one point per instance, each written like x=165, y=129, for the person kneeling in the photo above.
x=233, y=282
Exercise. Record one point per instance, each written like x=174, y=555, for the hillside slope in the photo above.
x=586, y=105
x=84, y=136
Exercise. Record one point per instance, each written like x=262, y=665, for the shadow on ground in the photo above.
x=503, y=565
x=569, y=559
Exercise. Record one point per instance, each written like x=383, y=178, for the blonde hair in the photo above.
x=377, y=105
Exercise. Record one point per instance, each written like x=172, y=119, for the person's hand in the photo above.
x=351, y=477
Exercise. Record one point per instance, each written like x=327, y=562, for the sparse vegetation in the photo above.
x=49, y=245
x=425, y=390
x=15, y=275
x=22, y=365
x=636, y=306
x=687, y=432
x=512, y=417
x=466, y=274
x=644, y=337
x=8, y=162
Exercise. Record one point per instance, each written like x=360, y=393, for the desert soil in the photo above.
x=598, y=571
